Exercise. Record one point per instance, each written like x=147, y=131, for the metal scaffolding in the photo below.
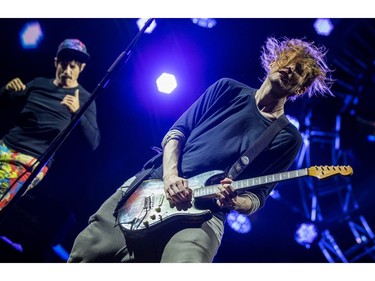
x=343, y=232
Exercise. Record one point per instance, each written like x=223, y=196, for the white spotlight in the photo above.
x=166, y=83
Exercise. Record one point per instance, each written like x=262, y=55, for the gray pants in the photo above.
x=101, y=241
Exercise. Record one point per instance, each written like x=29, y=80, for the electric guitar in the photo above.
x=147, y=208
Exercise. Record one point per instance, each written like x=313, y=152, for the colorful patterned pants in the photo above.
x=15, y=168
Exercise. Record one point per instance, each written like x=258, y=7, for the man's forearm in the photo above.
x=171, y=156
x=172, y=144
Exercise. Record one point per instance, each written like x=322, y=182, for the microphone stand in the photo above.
x=60, y=138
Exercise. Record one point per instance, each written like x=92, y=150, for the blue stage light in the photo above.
x=275, y=194
x=294, y=121
x=371, y=138
x=16, y=246
x=61, y=252
x=323, y=27
x=204, y=22
x=31, y=35
x=239, y=222
x=306, y=234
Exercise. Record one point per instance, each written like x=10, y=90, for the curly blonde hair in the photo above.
x=317, y=75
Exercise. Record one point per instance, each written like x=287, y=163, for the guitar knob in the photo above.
x=153, y=216
x=145, y=223
x=158, y=209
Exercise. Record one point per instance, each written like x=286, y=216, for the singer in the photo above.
x=48, y=107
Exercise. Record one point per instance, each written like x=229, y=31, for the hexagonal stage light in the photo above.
x=323, y=27
x=31, y=35
x=166, y=83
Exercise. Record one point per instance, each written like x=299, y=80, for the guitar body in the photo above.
x=147, y=208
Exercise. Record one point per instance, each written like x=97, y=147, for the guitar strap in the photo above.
x=258, y=146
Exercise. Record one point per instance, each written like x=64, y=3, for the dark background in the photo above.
x=133, y=117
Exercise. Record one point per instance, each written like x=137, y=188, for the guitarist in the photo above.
x=211, y=135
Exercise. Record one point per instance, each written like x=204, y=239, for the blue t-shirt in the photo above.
x=221, y=125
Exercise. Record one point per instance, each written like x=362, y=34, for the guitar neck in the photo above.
x=246, y=184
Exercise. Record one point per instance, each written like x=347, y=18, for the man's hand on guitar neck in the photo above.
x=229, y=199
x=177, y=190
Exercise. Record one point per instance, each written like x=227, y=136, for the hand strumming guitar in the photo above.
x=177, y=190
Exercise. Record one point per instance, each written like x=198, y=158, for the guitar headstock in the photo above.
x=322, y=172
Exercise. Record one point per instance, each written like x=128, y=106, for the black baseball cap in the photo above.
x=73, y=49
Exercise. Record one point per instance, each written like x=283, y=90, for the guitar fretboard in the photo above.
x=211, y=190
